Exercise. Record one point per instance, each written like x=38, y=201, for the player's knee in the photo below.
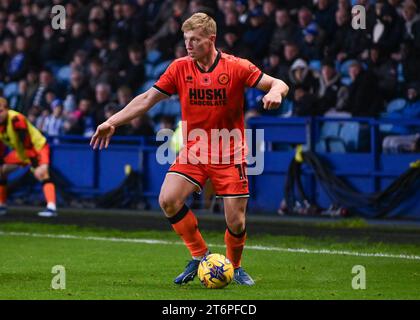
x=170, y=205
x=236, y=224
x=42, y=175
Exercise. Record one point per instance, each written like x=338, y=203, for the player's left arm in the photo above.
x=276, y=90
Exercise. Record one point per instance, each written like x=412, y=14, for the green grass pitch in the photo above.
x=99, y=264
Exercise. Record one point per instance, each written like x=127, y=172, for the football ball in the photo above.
x=215, y=271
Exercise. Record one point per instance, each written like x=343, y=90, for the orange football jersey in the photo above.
x=212, y=99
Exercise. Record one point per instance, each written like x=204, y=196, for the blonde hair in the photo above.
x=200, y=20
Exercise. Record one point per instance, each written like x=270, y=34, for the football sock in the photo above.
x=234, y=246
x=3, y=192
x=49, y=191
x=185, y=225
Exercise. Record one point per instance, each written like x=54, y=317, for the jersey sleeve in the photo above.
x=249, y=72
x=167, y=83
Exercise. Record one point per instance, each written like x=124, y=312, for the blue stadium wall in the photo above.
x=96, y=172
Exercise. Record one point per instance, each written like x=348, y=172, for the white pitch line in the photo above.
x=261, y=248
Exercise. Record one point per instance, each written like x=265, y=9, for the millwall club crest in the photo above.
x=223, y=78
x=205, y=80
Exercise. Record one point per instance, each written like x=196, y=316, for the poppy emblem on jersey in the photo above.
x=252, y=68
x=189, y=79
x=223, y=78
x=205, y=80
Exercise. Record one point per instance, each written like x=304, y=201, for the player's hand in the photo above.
x=272, y=100
x=102, y=135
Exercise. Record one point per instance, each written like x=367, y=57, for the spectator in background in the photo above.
x=78, y=40
x=19, y=100
x=355, y=46
x=80, y=62
x=324, y=17
x=133, y=75
x=41, y=118
x=272, y=65
x=54, y=123
x=342, y=32
x=110, y=109
x=411, y=18
x=385, y=71
x=82, y=120
x=116, y=56
x=52, y=46
x=97, y=73
x=301, y=75
x=411, y=110
x=141, y=126
x=46, y=82
x=370, y=8
x=362, y=92
x=124, y=96
x=311, y=48
x=167, y=41
x=130, y=28
x=305, y=18
x=4, y=32
x=98, y=46
x=388, y=30
x=304, y=102
x=257, y=34
x=328, y=87
x=19, y=62
x=285, y=30
x=94, y=26
x=291, y=53
x=241, y=7
x=102, y=98
x=405, y=138
x=231, y=43
x=78, y=88
x=269, y=9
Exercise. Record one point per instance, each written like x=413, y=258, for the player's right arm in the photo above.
x=138, y=106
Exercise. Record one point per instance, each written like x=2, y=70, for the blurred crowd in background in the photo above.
x=68, y=81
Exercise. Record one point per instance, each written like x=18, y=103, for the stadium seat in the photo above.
x=160, y=69
x=286, y=108
x=329, y=133
x=63, y=74
x=315, y=65
x=349, y=133
x=10, y=89
x=148, y=70
x=153, y=56
x=169, y=107
x=330, y=129
x=146, y=86
x=54, y=67
x=396, y=105
x=393, y=106
x=344, y=68
x=253, y=97
x=336, y=146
